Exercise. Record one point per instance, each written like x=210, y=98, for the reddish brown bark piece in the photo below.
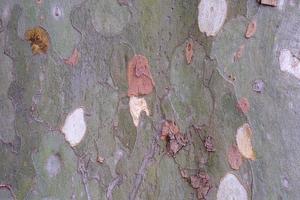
x=234, y=157
x=195, y=181
x=201, y=182
x=139, y=77
x=269, y=2
x=171, y=134
x=73, y=60
x=209, y=145
x=238, y=54
x=189, y=52
x=243, y=105
x=173, y=147
x=251, y=29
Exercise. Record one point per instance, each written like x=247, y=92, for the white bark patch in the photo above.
x=231, y=188
x=137, y=105
x=289, y=63
x=74, y=127
x=211, y=16
x=243, y=140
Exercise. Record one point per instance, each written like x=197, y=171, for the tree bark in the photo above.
x=200, y=92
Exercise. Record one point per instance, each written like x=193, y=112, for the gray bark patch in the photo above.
x=53, y=165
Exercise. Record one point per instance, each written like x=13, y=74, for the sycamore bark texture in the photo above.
x=116, y=160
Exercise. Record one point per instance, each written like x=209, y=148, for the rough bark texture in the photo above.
x=115, y=159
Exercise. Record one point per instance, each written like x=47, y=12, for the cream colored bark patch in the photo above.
x=211, y=16
x=243, y=140
x=74, y=127
x=289, y=63
x=231, y=188
x=137, y=105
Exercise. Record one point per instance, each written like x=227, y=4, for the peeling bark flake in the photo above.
x=239, y=53
x=231, y=188
x=234, y=157
x=74, y=127
x=200, y=182
x=243, y=105
x=189, y=52
x=209, y=144
x=289, y=63
x=171, y=134
x=251, y=29
x=137, y=105
x=140, y=81
x=73, y=59
x=39, y=39
x=243, y=140
x=211, y=16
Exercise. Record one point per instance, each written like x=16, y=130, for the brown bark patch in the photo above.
x=139, y=77
x=39, y=39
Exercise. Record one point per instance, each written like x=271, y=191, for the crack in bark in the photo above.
x=116, y=182
x=82, y=168
x=142, y=170
x=11, y=145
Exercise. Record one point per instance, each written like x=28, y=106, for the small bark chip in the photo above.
x=184, y=173
x=243, y=105
x=239, y=53
x=73, y=59
x=251, y=29
x=189, y=52
x=209, y=144
x=140, y=81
